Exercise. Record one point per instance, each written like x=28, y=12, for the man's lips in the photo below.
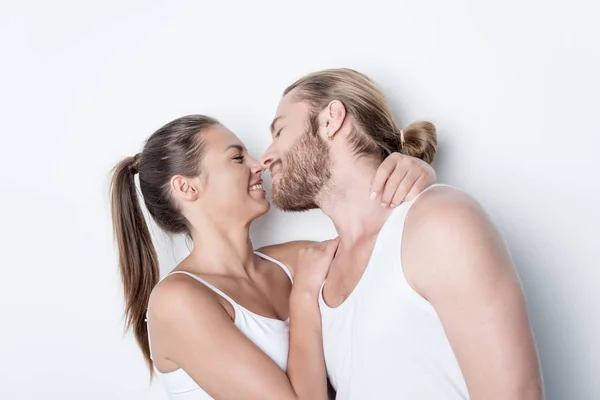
x=276, y=170
x=275, y=176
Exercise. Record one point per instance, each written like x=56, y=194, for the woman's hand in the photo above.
x=400, y=178
x=313, y=265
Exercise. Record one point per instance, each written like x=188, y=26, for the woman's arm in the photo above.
x=200, y=337
x=306, y=363
x=400, y=178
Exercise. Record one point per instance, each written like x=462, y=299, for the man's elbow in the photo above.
x=529, y=389
x=526, y=389
x=532, y=389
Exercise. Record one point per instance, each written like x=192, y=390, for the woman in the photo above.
x=219, y=322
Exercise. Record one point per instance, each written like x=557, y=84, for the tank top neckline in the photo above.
x=376, y=249
x=235, y=304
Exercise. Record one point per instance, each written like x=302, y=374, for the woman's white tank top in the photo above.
x=271, y=335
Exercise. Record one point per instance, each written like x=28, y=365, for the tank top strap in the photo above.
x=148, y=332
x=391, y=240
x=282, y=265
x=210, y=286
x=395, y=223
x=235, y=305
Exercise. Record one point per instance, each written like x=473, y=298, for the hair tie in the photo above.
x=402, y=138
x=134, y=167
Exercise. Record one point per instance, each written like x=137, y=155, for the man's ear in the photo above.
x=333, y=117
x=185, y=188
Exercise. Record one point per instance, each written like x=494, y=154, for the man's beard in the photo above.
x=305, y=171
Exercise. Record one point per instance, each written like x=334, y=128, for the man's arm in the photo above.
x=455, y=258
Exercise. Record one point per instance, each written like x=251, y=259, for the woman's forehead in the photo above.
x=220, y=138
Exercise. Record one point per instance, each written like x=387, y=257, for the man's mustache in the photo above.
x=274, y=165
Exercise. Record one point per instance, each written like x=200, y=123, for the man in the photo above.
x=422, y=300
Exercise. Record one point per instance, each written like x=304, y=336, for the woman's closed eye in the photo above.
x=238, y=158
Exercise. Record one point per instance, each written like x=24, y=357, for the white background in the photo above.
x=512, y=86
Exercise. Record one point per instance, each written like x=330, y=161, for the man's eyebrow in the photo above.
x=274, y=122
x=234, y=146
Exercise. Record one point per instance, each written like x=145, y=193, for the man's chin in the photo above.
x=278, y=201
x=291, y=195
x=289, y=205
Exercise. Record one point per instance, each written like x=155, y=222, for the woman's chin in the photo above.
x=263, y=207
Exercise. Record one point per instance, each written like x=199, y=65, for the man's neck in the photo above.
x=347, y=202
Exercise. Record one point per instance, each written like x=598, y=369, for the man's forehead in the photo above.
x=290, y=106
x=282, y=107
x=288, y=109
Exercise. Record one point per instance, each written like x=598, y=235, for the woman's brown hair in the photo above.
x=174, y=149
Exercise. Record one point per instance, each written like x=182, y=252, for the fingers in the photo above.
x=396, y=180
x=404, y=187
x=381, y=176
x=409, y=178
x=332, y=246
x=324, y=245
x=421, y=184
x=327, y=247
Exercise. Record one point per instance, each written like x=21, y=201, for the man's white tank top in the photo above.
x=272, y=336
x=385, y=341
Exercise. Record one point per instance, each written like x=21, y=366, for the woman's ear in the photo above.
x=186, y=189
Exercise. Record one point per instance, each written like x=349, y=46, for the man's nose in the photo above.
x=267, y=159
